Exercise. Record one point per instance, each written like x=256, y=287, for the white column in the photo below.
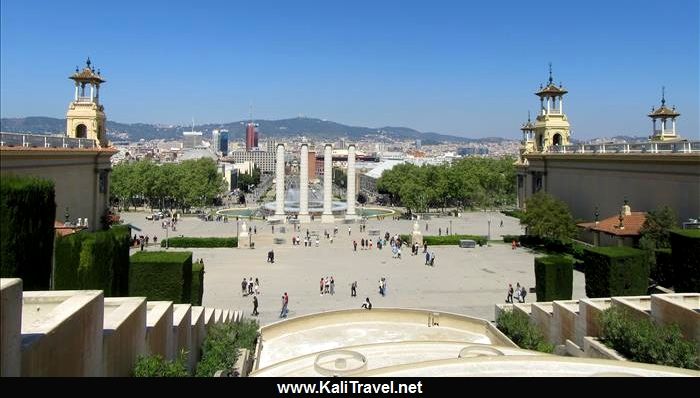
x=92, y=92
x=663, y=126
x=77, y=88
x=327, y=216
x=561, y=105
x=549, y=101
x=304, y=185
x=350, y=213
x=279, y=181
x=673, y=122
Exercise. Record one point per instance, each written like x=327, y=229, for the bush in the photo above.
x=615, y=271
x=197, y=283
x=661, y=269
x=27, y=216
x=642, y=340
x=165, y=276
x=98, y=260
x=554, y=278
x=220, y=348
x=453, y=239
x=511, y=238
x=405, y=238
x=199, y=242
x=685, y=246
x=156, y=366
x=513, y=213
x=517, y=327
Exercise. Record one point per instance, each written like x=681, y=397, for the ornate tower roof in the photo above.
x=663, y=111
x=551, y=90
x=528, y=126
x=87, y=75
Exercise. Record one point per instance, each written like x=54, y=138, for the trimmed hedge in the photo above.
x=199, y=242
x=161, y=276
x=513, y=213
x=27, y=216
x=685, y=246
x=453, y=239
x=156, y=366
x=511, y=238
x=220, y=348
x=554, y=278
x=662, y=268
x=197, y=283
x=615, y=271
x=642, y=340
x=517, y=327
x=98, y=260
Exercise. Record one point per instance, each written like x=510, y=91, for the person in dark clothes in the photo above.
x=255, y=306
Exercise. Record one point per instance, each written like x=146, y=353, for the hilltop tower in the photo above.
x=551, y=126
x=528, y=142
x=662, y=113
x=86, y=117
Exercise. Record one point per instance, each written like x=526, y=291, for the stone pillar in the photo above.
x=327, y=216
x=279, y=181
x=350, y=213
x=304, y=185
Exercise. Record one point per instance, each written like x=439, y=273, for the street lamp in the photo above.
x=489, y=237
x=451, y=230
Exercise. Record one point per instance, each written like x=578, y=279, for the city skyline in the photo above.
x=464, y=70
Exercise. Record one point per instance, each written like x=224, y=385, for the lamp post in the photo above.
x=167, y=228
x=451, y=230
x=489, y=236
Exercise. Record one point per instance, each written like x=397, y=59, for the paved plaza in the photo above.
x=463, y=281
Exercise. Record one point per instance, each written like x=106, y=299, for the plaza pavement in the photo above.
x=463, y=281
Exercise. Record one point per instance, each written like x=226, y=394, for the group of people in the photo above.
x=248, y=287
x=518, y=294
x=430, y=259
x=142, y=240
x=169, y=224
x=327, y=285
x=271, y=256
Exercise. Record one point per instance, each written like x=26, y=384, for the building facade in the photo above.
x=660, y=172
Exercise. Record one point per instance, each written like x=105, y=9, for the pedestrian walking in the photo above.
x=250, y=286
x=256, y=286
x=427, y=258
x=244, y=287
x=439, y=231
x=353, y=289
x=283, y=311
x=509, y=298
x=255, y=306
x=354, y=245
x=321, y=286
x=332, y=286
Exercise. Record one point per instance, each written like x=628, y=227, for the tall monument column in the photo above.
x=304, y=185
x=279, y=181
x=327, y=216
x=350, y=213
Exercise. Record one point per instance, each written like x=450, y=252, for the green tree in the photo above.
x=654, y=232
x=548, y=217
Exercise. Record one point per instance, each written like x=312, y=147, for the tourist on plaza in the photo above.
x=439, y=231
x=509, y=298
x=367, y=305
x=256, y=286
x=244, y=287
x=250, y=286
x=516, y=294
x=349, y=231
x=317, y=241
x=523, y=293
x=155, y=240
x=331, y=239
x=332, y=291
x=362, y=243
x=255, y=230
x=354, y=245
x=381, y=287
x=335, y=230
x=425, y=247
x=283, y=312
x=432, y=259
x=327, y=285
x=501, y=223
x=353, y=289
x=321, y=285
x=370, y=244
x=255, y=306
x=427, y=258
x=447, y=232
x=514, y=244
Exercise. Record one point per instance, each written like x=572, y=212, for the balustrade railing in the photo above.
x=44, y=141
x=641, y=147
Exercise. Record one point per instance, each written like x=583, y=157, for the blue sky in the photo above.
x=457, y=67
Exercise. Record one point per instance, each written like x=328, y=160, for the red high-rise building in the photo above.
x=251, y=136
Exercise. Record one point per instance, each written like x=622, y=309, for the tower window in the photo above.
x=557, y=139
x=81, y=131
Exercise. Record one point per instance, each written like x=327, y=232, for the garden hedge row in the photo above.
x=453, y=239
x=554, y=278
x=517, y=327
x=662, y=268
x=641, y=340
x=27, y=216
x=94, y=260
x=161, y=276
x=220, y=347
x=685, y=247
x=513, y=213
x=197, y=283
x=615, y=271
x=199, y=242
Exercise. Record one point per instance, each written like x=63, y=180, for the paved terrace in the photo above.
x=463, y=281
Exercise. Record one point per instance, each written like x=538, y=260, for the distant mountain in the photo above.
x=301, y=126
